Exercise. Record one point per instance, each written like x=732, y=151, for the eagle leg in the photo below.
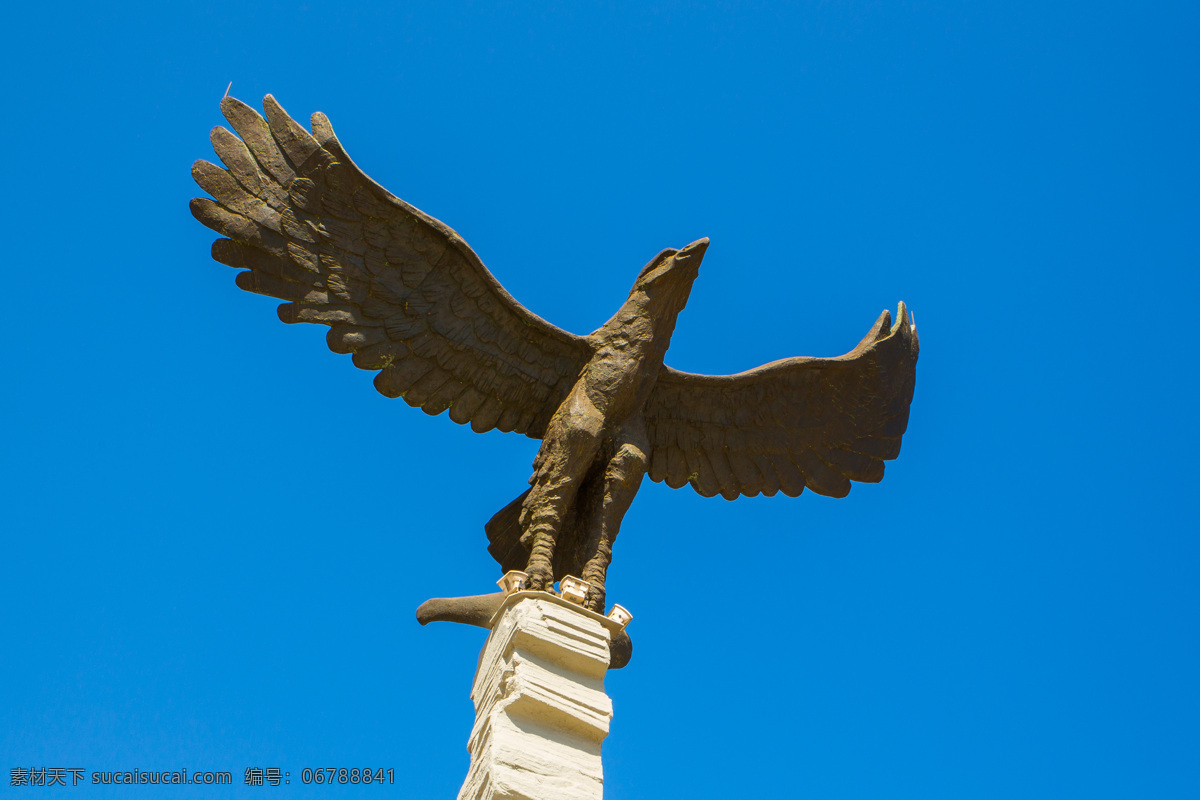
x=570, y=445
x=622, y=478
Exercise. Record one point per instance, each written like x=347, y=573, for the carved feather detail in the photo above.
x=801, y=422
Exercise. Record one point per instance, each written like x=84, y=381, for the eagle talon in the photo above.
x=540, y=580
x=595, y=600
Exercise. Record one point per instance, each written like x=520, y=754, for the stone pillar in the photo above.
x=541, y=713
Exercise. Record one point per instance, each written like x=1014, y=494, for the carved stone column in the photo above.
x=541, y=713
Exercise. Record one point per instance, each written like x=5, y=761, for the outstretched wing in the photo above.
x=815, y=422
x=400, y=290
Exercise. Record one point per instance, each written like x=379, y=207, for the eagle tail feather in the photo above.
x=504, y=536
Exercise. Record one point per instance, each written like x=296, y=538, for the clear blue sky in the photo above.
x=215, y=532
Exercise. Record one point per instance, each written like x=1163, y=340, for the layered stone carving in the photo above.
x=541, y=713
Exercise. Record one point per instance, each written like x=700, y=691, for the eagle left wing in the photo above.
x=399, y=290
x=815, y=422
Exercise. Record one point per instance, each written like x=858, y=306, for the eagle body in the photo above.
x=405, y=296
x=594, y=453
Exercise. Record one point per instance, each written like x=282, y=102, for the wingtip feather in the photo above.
x=226, y=251
x=906, y=324
x=201, y=208
x=321, y=127
x=232, y=107
x=880, y=330
x=271, y=105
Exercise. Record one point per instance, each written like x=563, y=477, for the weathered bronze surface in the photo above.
x=406, y=296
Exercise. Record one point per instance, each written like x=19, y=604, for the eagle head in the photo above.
x=669, y=275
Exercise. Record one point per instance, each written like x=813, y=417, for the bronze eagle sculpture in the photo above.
x=404, y=295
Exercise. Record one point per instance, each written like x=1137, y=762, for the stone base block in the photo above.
x=541, y=713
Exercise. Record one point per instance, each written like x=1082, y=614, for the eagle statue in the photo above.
x=405, y=296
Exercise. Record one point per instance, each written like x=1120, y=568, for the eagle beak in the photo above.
x=694, y=250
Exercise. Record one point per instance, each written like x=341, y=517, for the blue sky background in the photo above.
x=216, y=532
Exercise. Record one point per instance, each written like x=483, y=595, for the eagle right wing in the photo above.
x=801, y=422
x=399, y=289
